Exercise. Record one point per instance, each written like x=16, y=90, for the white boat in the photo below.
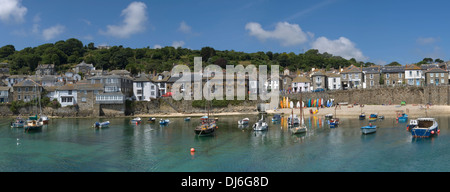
x=243, y=121
x=101, y=124
x=301, y=127
x=136, y=120
x=369, y=129
x=164, y=122
x=44, y=119
x=261, y=125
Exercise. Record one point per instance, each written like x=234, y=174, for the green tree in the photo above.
x=7, y=50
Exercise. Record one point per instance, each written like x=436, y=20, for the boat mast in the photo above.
x=301, y=109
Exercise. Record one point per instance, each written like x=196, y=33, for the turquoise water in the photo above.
x=72, y=145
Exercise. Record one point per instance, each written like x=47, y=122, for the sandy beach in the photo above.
x=349, y=111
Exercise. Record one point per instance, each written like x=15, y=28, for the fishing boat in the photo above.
x=426, y=127
x=276, y=117
x=100, y=125
x=261, y=125
x=136, y=120
x=44, y=119
x=187, y=119
x=164, y=121
x=301, y=128
x=207, y=127
x=369, y=129
x=18, y=123
x=403, y=117
x=413, y=123
x=243, y=121
x=373, y=117
x=33, y=124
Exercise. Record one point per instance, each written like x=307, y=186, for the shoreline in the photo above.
x=413, y=111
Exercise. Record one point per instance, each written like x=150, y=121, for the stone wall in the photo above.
x=436, y=95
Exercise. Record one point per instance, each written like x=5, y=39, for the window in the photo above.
x=18, y=97
x=26, y=89
x=442, y=81
x=139, y=91
x=139, y=85
x=431, y=74
x=371, y=76
x=399, y=75
x=417, y=73
x=66, y=99
x=387, y=75
x=371, y=83
x=69, y=92
x=356, y=76
x=431, y=81
x=83, y=99
x=350, y=76
x=410, y=73
x=334, y=80
x=442, y=74
x=344, y=76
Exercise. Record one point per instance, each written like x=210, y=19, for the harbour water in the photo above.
x=72, y=145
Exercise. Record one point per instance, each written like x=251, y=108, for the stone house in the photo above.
x=45, y=69
x=5, y=94
x=371, y=77
x=161, y=80
x=83, y=68
x=413, y=75
x=14, y=79
x=86, y=94
x=319, y=80
x=393, y=75
x=286, y=83
x=351, y=77
x=26, y=90
x=436, y=76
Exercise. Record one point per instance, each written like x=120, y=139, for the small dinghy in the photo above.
x=100, y=125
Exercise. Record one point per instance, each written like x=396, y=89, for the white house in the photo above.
x=144, y=89
x=334, y=81
x=301, y=84
x=66, y=95
x=413, y=75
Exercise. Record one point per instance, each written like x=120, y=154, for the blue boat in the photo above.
x=334, y=122
x=362, y=116
x=426, y=127
x=369, y=129
x=402, y=117
x=187, y=119
x=18, y=123
x=164, y=122
x=276, y=118
x=411, y=125
x=101, y=124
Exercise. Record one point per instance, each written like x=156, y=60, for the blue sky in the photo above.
x=379, y=31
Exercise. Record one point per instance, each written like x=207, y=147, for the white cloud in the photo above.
x=177, y=44
x=12, y=9
x=184, y=27
x=135, y=16
x=157, y=46
x=340, y=47
x=52, y=32
x=287, y=34
x=426, y=40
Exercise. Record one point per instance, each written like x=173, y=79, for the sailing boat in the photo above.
x=334, y=122
x=207, y=125
x=33, y=123
x=302, y=127
x=261, y=125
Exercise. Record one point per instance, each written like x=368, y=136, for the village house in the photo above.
x=413, y=75
x=14, y=79
x=286, y=83
x=351, y=77
x=83, y=68
x=393, y=75
x=45, y=69
x=160, y=80
x=371, y=77
x=319, y=80
x=144, y=89
x=66, y=95
x=301, y=84
x=87, y=93
x=333, y=81
x=5, y=94
x=436, y=76
x=26, y=90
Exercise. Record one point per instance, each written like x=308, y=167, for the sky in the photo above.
x=379, y=31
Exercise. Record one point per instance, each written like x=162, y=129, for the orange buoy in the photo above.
x=192, y=150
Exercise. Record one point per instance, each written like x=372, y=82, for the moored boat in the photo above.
x=136, y=120
x=164, y=121
x=402, y=117
x=33, y=124
x=18, y=123
x=373, y=117
x=426, y=127
x=362, y=116
x=276, y=117
x=207, y=127
x=334, y=122
x=369, y=129
x=329, y=116
x=151, y=119
x=243, y=121
x=261, y=125
x=100, y=125
x=187, y=119
x=44, y=119
x=413, y=123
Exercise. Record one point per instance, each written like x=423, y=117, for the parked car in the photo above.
x=168, y=94
x=319, y=90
